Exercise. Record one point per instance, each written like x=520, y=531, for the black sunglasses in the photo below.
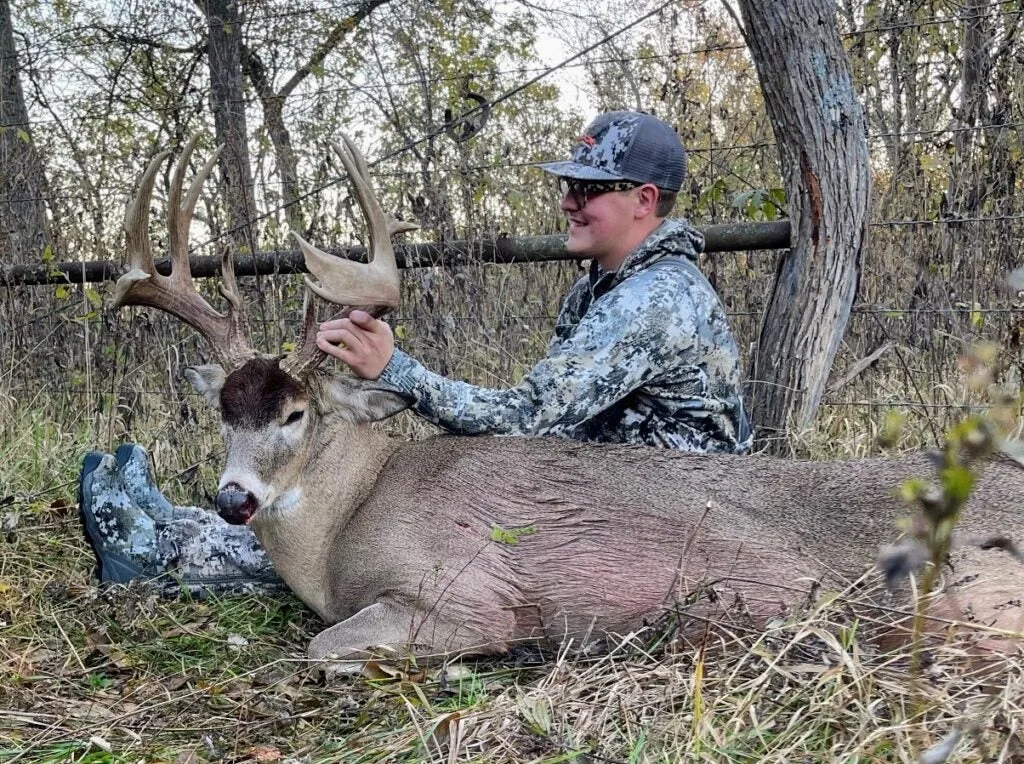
x=582, y=191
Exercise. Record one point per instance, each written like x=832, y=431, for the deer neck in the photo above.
x=326, y=483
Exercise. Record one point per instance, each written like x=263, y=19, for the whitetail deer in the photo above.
x=410, y=544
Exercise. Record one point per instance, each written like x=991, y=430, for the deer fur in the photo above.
x=391, y=542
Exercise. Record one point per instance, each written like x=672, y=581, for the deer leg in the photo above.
x=347, y=645
x=390, y=629
x=985, y=587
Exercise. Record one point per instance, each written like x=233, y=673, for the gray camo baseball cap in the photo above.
x=626, y=145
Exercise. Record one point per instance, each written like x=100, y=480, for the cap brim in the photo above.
x=577, y=171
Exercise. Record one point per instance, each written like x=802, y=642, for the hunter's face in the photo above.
x=600, y=220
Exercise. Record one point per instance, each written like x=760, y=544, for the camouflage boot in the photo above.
x=136, y=533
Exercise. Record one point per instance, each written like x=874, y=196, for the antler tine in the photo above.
x=136, y=223
x=179, y=220
x=176, y=294
x=307, y=357
x=179, y=215
x=356, y=167
x=359, y=174
x=371, y=286
x=228, y=286
x=346, y=282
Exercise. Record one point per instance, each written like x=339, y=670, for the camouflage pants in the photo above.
x=177, y=548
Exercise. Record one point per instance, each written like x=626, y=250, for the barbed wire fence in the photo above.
x=917, y=313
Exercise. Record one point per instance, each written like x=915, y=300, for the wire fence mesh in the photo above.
x=947, y=224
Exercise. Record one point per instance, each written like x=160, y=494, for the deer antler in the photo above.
x=372, y=286
x=176, y=294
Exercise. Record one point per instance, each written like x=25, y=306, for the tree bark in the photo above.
x=227, y=101
x=25, y=231
x=821, y=132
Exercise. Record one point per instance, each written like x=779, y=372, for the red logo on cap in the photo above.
x=589, y=140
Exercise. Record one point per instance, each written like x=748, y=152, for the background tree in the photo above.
x=273, y=101
x=820, y=129
x=227, y=102
x=25, y=233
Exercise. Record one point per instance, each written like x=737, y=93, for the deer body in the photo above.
x=617, y=534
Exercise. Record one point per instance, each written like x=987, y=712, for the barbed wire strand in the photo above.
x=697, y=152
x=965, y=312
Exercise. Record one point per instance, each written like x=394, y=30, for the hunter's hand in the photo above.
x=361, y=341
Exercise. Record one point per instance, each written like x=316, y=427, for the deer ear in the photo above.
x=208, y=382
x=361, y=401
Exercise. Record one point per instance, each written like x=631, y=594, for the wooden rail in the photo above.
x=728, y=237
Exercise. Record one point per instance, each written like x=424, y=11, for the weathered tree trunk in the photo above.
x=24, y=227
x=821, y=132
x=227, y=102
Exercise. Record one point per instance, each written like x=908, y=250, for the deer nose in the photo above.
x=235, y=505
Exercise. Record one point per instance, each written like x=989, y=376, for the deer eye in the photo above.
x=294, y=417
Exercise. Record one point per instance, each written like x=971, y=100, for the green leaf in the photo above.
x=741, y=200
x=910, y=489
x=23, y=134
x=892, y=429
x=977, y=316
x=510, y=536
x=928, y=163
x=62, y=292
x=957, y=482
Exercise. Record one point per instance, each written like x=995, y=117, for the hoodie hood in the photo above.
x=676, y=238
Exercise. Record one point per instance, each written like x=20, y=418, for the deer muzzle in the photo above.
x=235, y=505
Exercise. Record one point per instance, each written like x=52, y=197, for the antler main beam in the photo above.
x=176, y=294
x=372, y=286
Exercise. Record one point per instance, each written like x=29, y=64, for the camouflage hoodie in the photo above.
x=641, y=355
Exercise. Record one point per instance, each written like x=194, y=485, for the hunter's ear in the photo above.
x=208, y=382
x=362, y=401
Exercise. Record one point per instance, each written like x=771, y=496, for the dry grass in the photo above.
x=121, y=676
x=84, y=671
